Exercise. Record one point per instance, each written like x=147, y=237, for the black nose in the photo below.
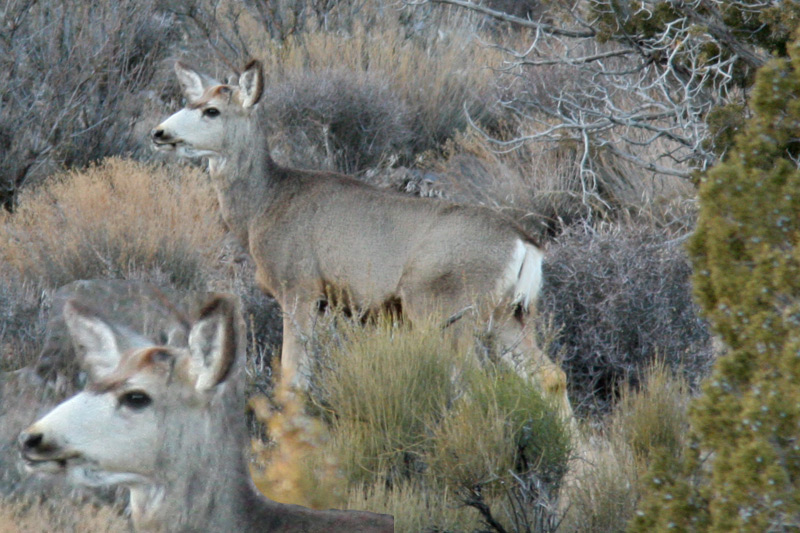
x=30, y=441
x=158, y=133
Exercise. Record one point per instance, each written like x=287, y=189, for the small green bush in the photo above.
x=499, y=426
x=411, y=407
x=386, y=388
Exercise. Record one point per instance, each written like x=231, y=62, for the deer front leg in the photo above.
x=295, y=351
x=523, y=353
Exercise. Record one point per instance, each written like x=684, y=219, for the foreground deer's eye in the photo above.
x=135, y=400
x=211, y=112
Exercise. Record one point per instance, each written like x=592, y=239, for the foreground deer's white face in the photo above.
x=113, y=433
x=203, y=128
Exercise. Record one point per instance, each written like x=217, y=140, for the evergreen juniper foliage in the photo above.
x=742, y=472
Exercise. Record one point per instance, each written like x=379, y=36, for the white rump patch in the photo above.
x=523, y=274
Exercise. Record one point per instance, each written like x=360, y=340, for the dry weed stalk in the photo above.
x=293, y=469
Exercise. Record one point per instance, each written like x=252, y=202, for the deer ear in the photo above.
x=213, y=342
x=251, y=84
x=193, y=83
x=95, y=341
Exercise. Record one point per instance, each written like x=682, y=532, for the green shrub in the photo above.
x=411, y=410
x=499, y=426
x=386, y=388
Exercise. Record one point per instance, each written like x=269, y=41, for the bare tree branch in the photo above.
x=518, y=21
x=609, y=86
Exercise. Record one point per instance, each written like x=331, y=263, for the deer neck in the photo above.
x=244, y=179
x=206, y=485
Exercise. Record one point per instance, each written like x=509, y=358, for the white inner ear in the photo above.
x=205, y=346
x=251, y=86
x=193, y=83
x=94, y=340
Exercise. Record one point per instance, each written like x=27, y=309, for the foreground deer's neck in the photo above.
x=208, y=503
x=205, y=483
x=218, y=499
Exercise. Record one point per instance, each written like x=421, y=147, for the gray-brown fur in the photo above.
x=193, y=475
x=314, y=234
x=208, y=487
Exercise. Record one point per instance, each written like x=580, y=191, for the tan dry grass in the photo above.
x=414, y=507
x=604, y=488
x=113, y=220
x=607, y=479
x=64, y=517
x=435, y=78
x=654, y=417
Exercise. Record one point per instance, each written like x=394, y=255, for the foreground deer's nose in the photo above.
x=158, y=133
x=30, y=441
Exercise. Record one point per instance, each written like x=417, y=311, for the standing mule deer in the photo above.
x=316, y=236
x=169, y=423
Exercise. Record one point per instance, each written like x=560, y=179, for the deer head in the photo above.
x=205, y=127
x=118, y=431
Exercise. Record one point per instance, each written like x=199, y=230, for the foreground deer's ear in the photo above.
x=193, y=83
x=251, y=83
x=213, y=342
x=94, y=339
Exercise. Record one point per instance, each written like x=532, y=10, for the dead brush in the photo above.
x=293, y=468
x=21, y=322
x=114, y=220
x=623, y=296
x=433, y=82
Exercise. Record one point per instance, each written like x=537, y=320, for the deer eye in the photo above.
x=135, y=400
x=211, y=112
